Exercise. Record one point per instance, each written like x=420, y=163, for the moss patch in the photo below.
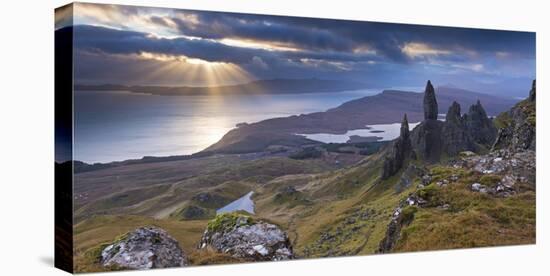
x=228, y=221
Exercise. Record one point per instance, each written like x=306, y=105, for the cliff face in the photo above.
x=517, y=127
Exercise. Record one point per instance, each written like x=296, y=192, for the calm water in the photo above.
x=114, y=126
x=244, y=203
x=388, y=132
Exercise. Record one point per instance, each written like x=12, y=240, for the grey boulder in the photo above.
x=144, y=248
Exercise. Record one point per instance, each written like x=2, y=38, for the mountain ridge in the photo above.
x=383, y=108
x=264, y=86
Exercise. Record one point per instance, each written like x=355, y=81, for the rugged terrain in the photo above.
x=467, y=181
x=386, y=107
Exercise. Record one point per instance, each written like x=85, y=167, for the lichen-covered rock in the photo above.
x=144, y=248
x=243, y=237
x=401, y=216
x=514, y=166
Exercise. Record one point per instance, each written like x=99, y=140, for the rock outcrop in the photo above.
x=401, y=150
x=532, y=93
x=517, y=127
x=456, y=137
x=401, y=216
x=144, y=248
x=506, y=171
x=426, y=137
x=430, y=103
x=243, y=237
x=479, y=126
x=432, y=138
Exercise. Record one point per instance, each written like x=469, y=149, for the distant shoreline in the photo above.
x=259, y=87
x=282, y=129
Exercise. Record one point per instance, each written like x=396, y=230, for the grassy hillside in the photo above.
x=469, y=219
x=327, y=209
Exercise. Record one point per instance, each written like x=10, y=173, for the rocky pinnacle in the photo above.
x=453, y=114
x=401, y=150
x=404, y=134
x=430, y=103
x=532, y=93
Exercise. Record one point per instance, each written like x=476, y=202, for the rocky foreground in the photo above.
x=236, y=235
x=243, y=237
x=144, y=248
x=496, y=186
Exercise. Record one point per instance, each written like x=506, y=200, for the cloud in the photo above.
x=416, y=49
x=279, y=46
x=112, y=41
x=259, y=62
x=308, y=34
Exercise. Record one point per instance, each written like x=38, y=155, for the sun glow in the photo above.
x=416, y=49
x=254, y=44
x=198, y=71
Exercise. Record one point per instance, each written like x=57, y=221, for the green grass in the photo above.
x=327, y=202
x=472, y=219
x=503, y=120
x=490, y=180
x=193, y=212
x=113, y=203
x=529, y=109
x=307, y=153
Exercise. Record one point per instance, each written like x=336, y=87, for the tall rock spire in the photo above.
x=532, y=93
x=430, y=103
x=404, y=134
x=453, y=115
x=401, y=150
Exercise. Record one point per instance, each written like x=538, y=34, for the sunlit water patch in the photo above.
x=244, y=203
x=114, y=125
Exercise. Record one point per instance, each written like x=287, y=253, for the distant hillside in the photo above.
x=273, y=86
x=386, y=107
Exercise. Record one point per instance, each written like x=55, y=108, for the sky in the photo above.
x=156, y=46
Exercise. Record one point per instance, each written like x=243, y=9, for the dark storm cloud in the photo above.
x=328, y=36
x=111, y=41
x=290, y=47
x=338, y=35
